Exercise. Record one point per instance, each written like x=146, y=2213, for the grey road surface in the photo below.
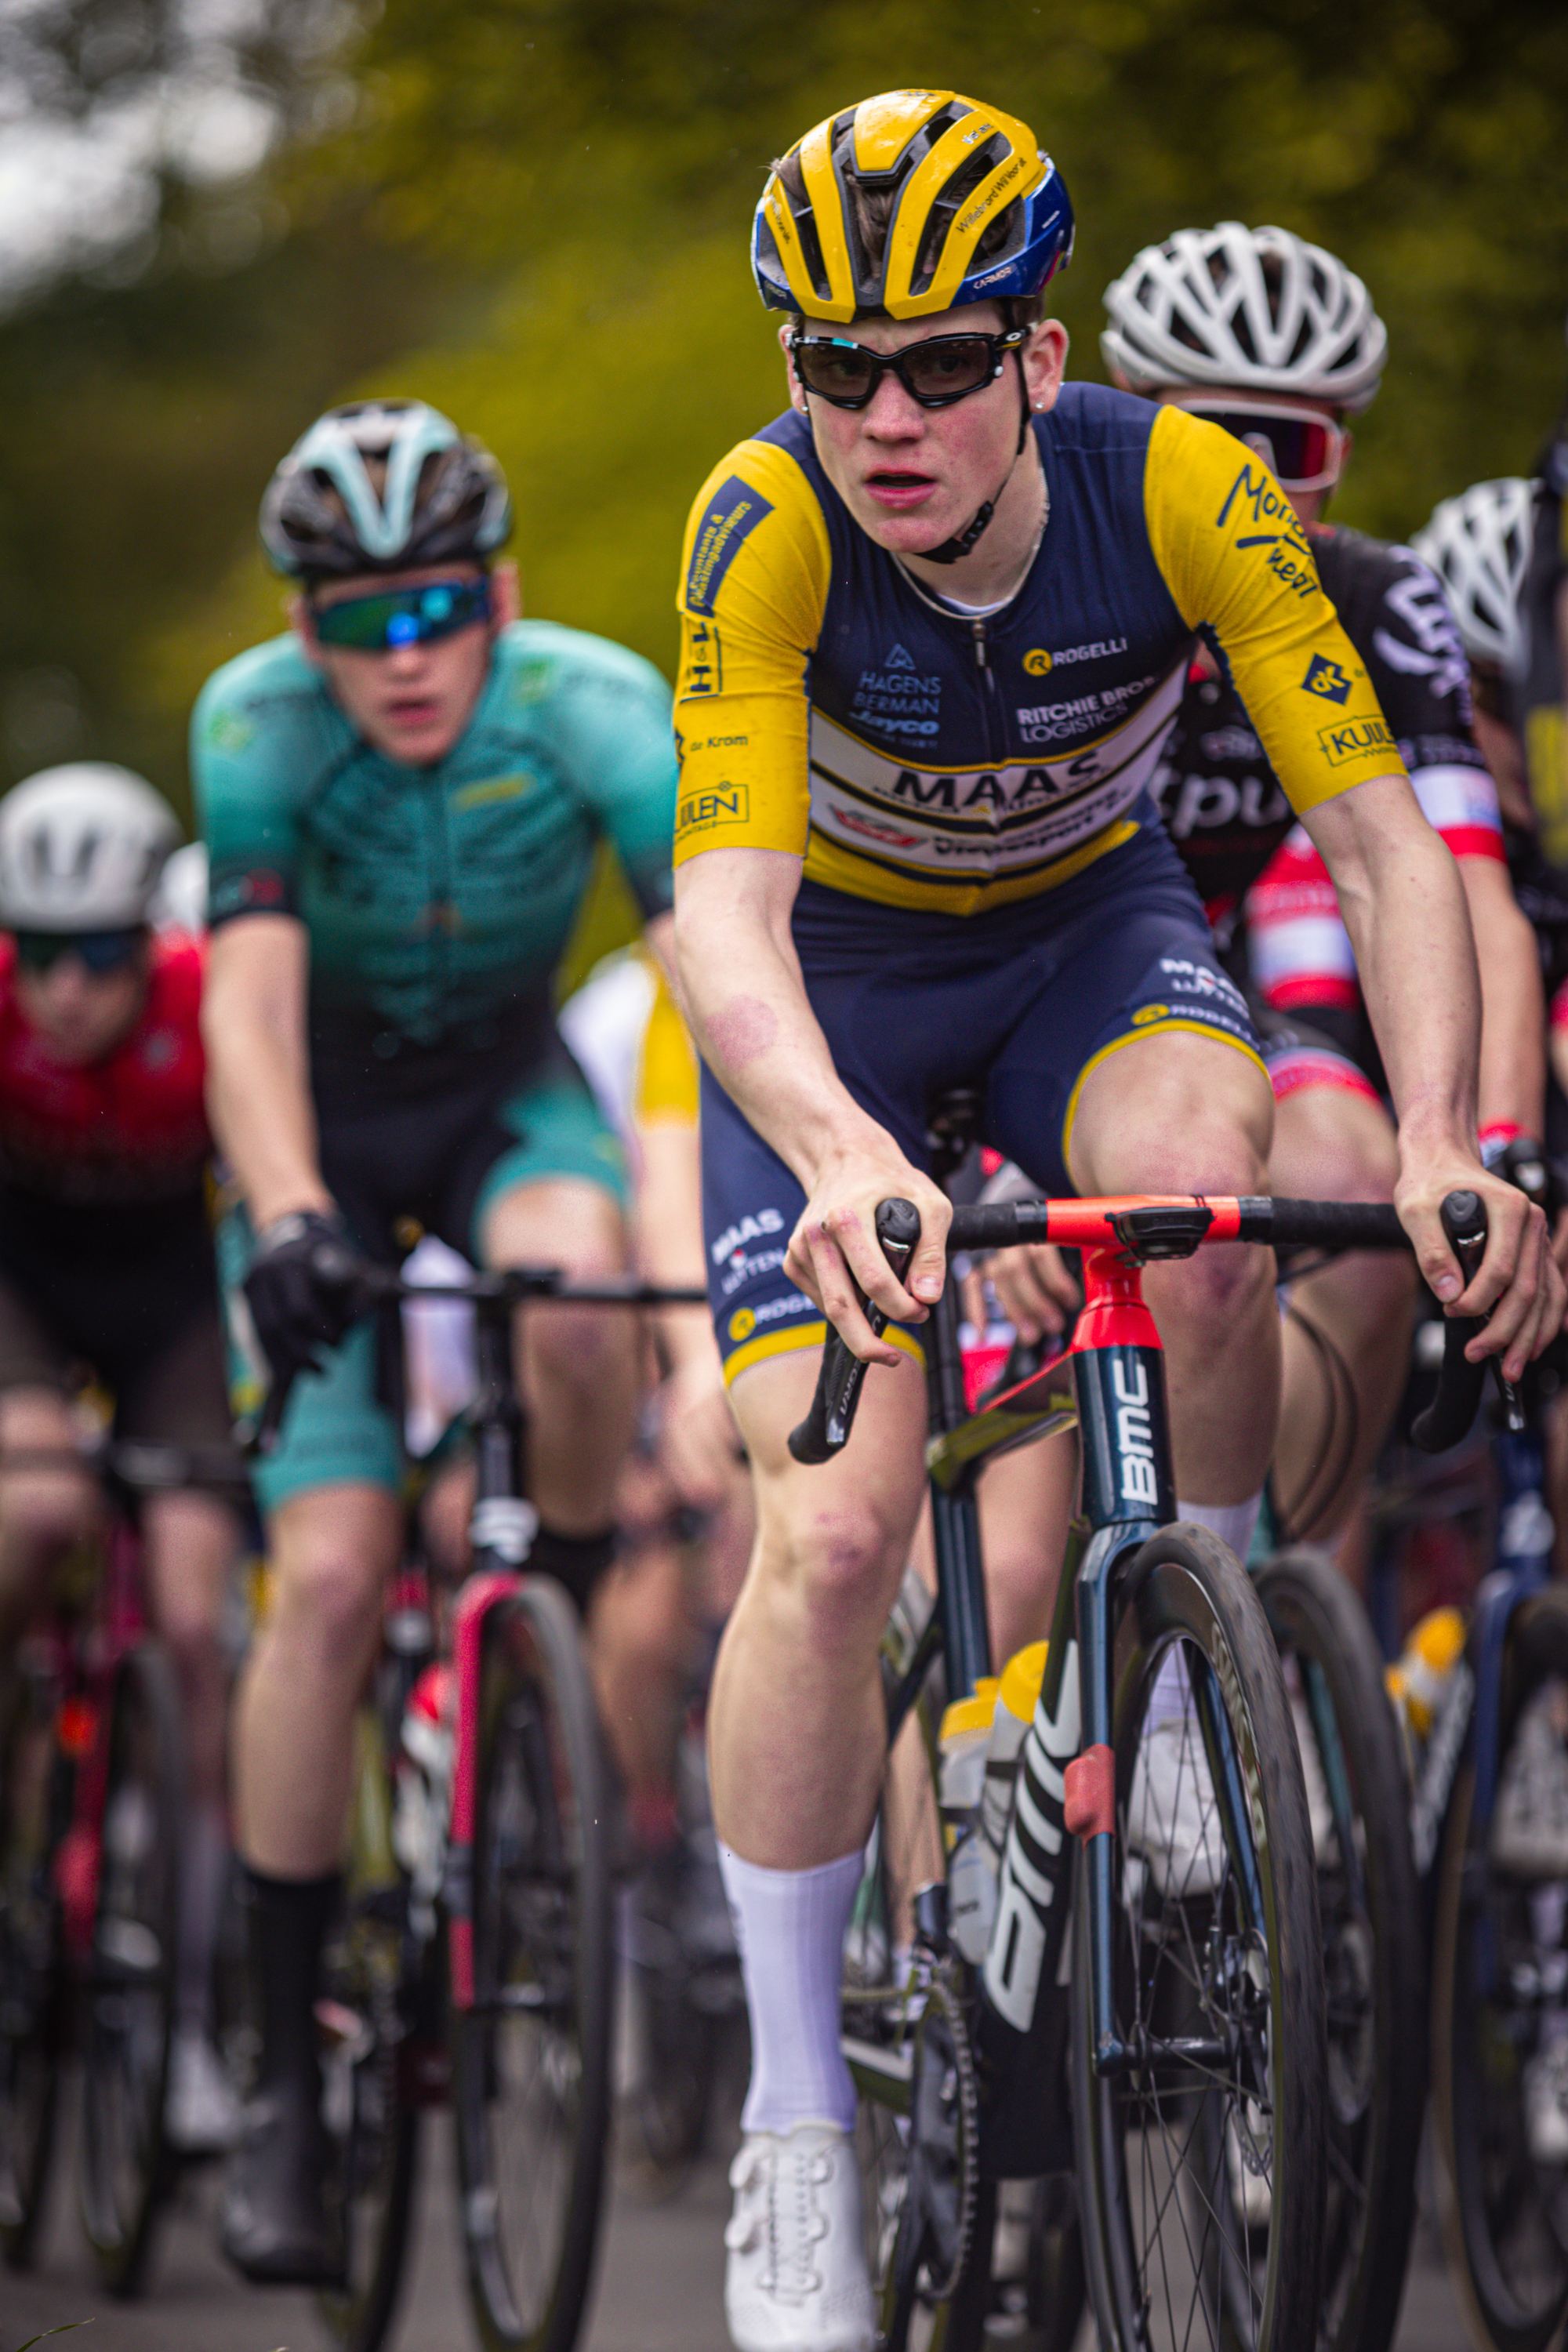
x=661, y=2283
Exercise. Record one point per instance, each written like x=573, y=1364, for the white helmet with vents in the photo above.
x=81, y=849
x=1479, y=545
x=1256, y=309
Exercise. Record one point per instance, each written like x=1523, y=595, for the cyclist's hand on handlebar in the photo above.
x=1034, y=1289
x=302, y=1290
x=1517, y=1290
x=834, y=1246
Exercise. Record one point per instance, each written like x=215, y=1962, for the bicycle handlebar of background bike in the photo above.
x=373, y=1286
x=1153, y=1226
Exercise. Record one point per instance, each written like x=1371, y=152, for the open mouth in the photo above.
x=898, y=487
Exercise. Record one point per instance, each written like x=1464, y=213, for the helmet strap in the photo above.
x=961, y=544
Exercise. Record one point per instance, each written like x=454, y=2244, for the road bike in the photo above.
x=474, y=1961
x=1495, y=1891
x=1153, y=2028
x=92, y=1809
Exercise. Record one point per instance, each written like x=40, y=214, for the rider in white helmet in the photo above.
x=106, y=1260
x=1277, y=340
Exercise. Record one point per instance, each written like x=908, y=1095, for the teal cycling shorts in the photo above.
x=443, y=1158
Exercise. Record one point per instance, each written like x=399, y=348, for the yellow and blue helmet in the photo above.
x=954, y=171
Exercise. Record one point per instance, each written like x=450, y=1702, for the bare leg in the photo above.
x=190, y=1542
x=43, y=1511
x=796, y=1727
x=332, y=1551
x=1333, y=1145
x=579, y=1364
x=1188, y=1114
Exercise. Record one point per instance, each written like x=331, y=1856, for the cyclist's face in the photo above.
x=911, y=475
x=411, y=702
x=81, y=1015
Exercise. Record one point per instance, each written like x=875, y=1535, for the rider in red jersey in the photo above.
x=106, y=1267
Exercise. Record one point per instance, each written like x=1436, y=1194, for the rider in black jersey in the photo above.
x=1279, y=343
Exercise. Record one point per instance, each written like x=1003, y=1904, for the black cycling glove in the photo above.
x=303, y=1291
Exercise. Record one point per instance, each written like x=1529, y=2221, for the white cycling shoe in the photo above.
x=796, y=2280
x=1173, y=1817
x=201, y=2111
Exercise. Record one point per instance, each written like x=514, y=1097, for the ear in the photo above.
x=506, y=597
x=792, y=384
x=1045, y=358
x=304, y=627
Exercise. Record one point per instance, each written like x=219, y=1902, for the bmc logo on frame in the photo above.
x=1134, y=1433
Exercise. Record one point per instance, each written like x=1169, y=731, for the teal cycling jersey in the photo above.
x=438, y=900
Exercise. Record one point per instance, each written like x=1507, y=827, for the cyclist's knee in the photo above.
x=576, y=1349
x=330, y=1573
x=837, y=1568
x=44, y=1509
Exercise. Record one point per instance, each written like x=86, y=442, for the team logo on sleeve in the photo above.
x=1326, y=677
x=732, y=513
x=704, y=660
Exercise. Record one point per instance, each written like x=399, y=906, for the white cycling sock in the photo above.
x=1171, y=1695
x=790, y=1927
x=1234, y=1523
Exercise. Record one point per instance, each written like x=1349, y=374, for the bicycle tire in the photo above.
x=1502, y=2222
x=32, y=1962
x=531, y=2063
x=371, y=2012
x=1184, y=2261
x=1374, y=1959
x=129, y=1999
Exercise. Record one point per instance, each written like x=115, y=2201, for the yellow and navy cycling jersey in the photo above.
x=828, y=707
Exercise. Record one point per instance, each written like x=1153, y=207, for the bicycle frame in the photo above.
x=1066, y=1786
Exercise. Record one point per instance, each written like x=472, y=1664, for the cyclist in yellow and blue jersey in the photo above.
x=937, y=619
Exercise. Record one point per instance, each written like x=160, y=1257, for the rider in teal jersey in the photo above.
x=402, y=801
x=438, y=898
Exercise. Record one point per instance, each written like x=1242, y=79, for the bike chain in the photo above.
x=944, y=2141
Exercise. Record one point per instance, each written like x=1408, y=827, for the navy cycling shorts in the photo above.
x=1020, y=1003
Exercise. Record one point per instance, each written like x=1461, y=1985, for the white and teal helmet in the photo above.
x=1479, y=545
x=382, y=486
x=81, y=849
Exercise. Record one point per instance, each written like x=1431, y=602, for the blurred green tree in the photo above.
x=536, y=216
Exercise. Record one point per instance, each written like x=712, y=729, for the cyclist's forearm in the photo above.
x=753, y=1024
x=258, y=1094
x=1514, y=1002
x=1404, y=907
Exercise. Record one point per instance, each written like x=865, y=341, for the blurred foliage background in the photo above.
x=534, y=213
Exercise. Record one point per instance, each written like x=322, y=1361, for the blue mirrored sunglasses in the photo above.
x=403, y=617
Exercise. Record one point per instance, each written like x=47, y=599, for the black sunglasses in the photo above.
x=100, y=951
x=936, y=372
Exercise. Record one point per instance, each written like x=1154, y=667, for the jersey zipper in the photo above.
x=995, y=746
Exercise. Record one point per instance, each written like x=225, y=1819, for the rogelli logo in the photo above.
x=1037, y=661
x=742, y=1323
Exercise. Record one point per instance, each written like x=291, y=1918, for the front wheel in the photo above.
x=130, y=2003
x=1374, y=1962
x=1201, y=2163
x=32, y=1989
x=531, y=2057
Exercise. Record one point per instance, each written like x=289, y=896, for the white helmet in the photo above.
x=180, y=902
x=1479, y=545
x=1255, y=310
x=82, y=848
